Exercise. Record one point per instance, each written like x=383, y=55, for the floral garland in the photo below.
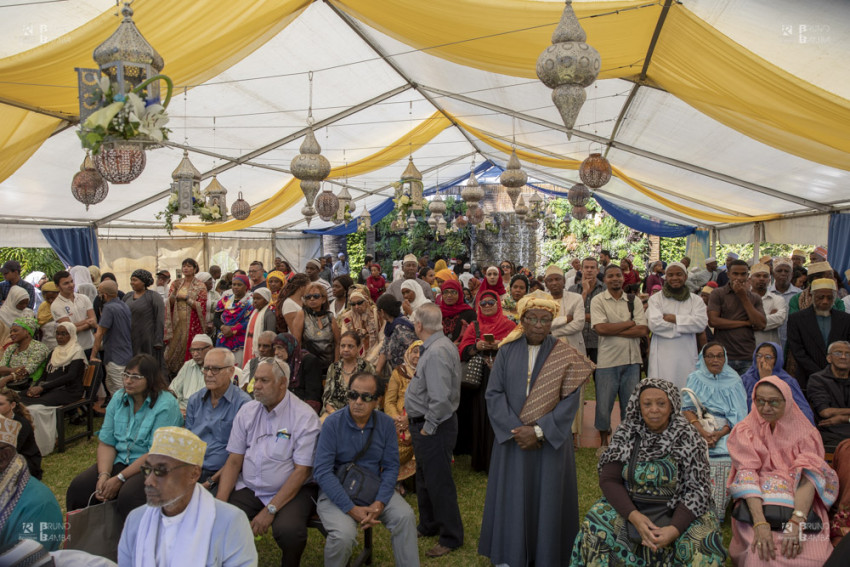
x=208, y=213
x=125, y=116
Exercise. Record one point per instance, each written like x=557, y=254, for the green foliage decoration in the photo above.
x=33, y=260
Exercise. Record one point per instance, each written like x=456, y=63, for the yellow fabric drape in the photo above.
x=567, y=163
x=291, y=194
x=21, y=134
x=692, y=60
x=197, y=39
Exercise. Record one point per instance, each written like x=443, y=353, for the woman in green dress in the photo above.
x=671, y=463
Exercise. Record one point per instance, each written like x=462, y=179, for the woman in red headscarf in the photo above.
x=457, y=315
x=476, y=341
x=780, y=482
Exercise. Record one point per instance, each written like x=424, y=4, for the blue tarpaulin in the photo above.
x=74, y=246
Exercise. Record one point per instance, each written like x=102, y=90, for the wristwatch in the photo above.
x=799, y=514
x=121, y=477
x=539, y=432
x=272, y=509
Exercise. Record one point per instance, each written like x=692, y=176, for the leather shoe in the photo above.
x=438, y=551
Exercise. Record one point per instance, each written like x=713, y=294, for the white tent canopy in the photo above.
x=369, y=90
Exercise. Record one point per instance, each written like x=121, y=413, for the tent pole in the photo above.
x=712, y=247
x=274, y=245
x=756, y=241
x=207, y=250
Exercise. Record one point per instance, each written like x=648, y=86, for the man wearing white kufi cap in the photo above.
x=675, y=316
x=409, y=267
x=182, y=524
x=813, y=329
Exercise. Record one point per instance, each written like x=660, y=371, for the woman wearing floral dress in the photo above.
x=187, y=298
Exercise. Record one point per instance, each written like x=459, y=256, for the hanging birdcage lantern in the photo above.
x=327, y=205
x=595, y=171
x=475, y=214
x=578, y=195
x=345, y=204
x=534, y=204
x=88, y=186
x=441, y=226
x=472, y=193
x=216, y=196
x=411, y=220
x=568, y=66
x=240, y=209
x=520, y=209
x=513, y=178
x=411, y=185
x=364, y=222
x=579, y=213
x=187, y=183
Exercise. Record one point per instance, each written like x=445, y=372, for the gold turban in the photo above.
x=534, y=300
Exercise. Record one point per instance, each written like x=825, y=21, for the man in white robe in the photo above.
x=675, y=316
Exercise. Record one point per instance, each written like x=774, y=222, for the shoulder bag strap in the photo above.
x=699, y=407
x=633, y=463
x=365, y=448
x=630, y=301
x=477, y=330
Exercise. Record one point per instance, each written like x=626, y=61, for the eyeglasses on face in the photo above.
x=487, y=303
x=767, y=357
x=132, y=377
x=354, y=394
x=198, y=349
x=356, y=303
x=312, y=296
x=840, y=354
x=774, y=403
x=532, y=321
x=160, y=472
x=214, y=370
x=714, y=356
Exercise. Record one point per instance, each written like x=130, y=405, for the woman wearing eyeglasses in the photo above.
x=457, y=315
x=315, y=328
x=720, y=391
x=481, y=339
x=134, y=413
x=782, y=485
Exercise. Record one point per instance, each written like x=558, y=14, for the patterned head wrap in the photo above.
x=679, y=441
x=534, y=300
x=144, y=276
x=30, y=324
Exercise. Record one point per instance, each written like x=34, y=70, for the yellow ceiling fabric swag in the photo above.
x=567, y=163
x=291, y=194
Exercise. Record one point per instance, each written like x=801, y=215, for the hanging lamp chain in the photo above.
x=310, y=103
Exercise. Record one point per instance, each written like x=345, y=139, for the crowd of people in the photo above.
x=238, y=403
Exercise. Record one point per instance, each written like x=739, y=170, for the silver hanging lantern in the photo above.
x=240, y=209
x=327, y=205
x=472, y=193
x=595, y=171
x=520, y=209
x=217, y=197
x=441, y=226
x=568, y=66
x=411, y=220
x=88, y=186
x=310, y=166
x=345, y=204
x=578, y=195
x=432, y=221
x=513, y=178
x=308, y=212
x=187, y=182
x=411, y=185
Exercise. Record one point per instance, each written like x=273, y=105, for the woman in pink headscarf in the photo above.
x=780, y=482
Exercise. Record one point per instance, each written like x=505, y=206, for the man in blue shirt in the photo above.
x=341, y=267
x=113, y=331
x=211, y=410
x=344, y=434
x=12, y=274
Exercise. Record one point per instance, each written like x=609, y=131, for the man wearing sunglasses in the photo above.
x=271, y=446
x=344, y=436
x=182, y=524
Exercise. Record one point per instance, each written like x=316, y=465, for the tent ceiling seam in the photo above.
x=636, y=151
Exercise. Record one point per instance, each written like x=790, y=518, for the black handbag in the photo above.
x=473, y=370
x=653, y=507
x=777, y=516
x=360, y=484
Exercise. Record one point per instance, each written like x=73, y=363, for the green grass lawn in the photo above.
x=60, y=469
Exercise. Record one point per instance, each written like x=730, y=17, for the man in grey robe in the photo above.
x=531, y=509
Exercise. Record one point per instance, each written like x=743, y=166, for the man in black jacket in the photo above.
x=811, y=330
x=829, y=394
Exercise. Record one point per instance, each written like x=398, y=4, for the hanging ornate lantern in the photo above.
x=437, y=206
x=520, y=209
x=310, y=166
x=120, y=162
x=364, y=222
x=88, y=186
x=579, y=195
x=475, y=214
x=473, y=192
x=240, y=209
x=461, y=222
x=534, y=204
x=345, y=204
x=595, y=171
x=308, y=212
x=187, y=182
x=513, y=178
x=568, y=66
x=432, y=221
x=327, y=205
x=579, y=213
x=217, y=197
x=411, y=185
x=411, y=220
x=441, y=226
